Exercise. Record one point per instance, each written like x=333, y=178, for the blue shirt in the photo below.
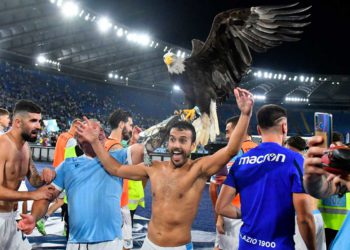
x=93, y=195
x=341, y=241
x=266, y=178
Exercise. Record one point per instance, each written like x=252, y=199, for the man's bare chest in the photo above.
x=16, y=166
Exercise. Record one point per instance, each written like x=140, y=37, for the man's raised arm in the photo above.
x=212, y=164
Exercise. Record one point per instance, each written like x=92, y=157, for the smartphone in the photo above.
x=324, y=127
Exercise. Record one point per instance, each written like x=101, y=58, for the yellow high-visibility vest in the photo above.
x=334, y=210
x=136, y=194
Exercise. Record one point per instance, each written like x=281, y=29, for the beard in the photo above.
x=126, y=135
x=182, y=154
x=28, y=136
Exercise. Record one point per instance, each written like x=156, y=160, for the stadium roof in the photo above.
x=59, y=35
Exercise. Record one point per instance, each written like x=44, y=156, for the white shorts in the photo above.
x=115, y=244
x=126, y=227
x=11, y=238
x=148, y=245
x=320, y=234
x=230, y=239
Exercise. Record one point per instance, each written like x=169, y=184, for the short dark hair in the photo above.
x=184, y=125
x=296, y=142
x=337, y=137
x=118, y=115
x=233, y=120
x=75, y=121
x=4, y=112
x=26, y=106
x=269, y=115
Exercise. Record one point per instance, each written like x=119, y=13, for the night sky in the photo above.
x=324, y=49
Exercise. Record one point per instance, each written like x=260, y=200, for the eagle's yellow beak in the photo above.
x=168, y=59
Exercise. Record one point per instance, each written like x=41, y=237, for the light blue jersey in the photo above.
x=266, y=178
x=93, y=195
x=341, y=241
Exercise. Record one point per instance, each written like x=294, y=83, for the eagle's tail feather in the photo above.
x=202, y=126
x=214, y=123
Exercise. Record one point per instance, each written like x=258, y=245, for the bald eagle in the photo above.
x=217, y=65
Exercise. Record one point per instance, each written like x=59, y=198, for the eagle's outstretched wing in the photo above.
x=235, y=32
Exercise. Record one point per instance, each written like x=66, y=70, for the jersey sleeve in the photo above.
x=122, y=155
x=296, y=175
x=58, y=182
x=230, y=179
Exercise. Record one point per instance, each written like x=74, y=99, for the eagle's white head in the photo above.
x=174, y=63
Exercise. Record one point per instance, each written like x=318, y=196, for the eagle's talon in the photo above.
x=189, y=114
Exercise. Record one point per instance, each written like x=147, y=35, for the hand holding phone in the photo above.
x=324, y=127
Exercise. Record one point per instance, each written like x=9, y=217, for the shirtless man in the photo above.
x=15, y=164
x=177, y=184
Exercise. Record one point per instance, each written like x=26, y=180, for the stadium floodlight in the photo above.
x=157, y=44
x=59, y=3
x=41, y=59
x=165, y=48
x=116, y=76
x=259, y=97
x=307, y=79
x=284, y=77
x=70, y=9
x=338, y=83
x=178, y=54
x=279, y=76
x=143, y=39
x=295, y=78
x=266, y=74
x=115, y=27
x=296, y=99
x=301, y=78
x=104, y=24
x=93, y=18
x=110, y=75
x=126, y=78
x=270, y=75
x=120, y=32
x=126, y=32
x=259, y=74
x=183, y=55
x=53, y=1
x=320, y=79
x=312, y=79
x=131, y=37
x=289, y=79
x=81, y=13
x=176, y=87
x=121, y=77
x=87, y=17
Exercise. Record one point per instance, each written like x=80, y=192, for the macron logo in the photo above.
x=262, y=158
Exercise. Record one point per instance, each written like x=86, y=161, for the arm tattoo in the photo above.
x=33, y=175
